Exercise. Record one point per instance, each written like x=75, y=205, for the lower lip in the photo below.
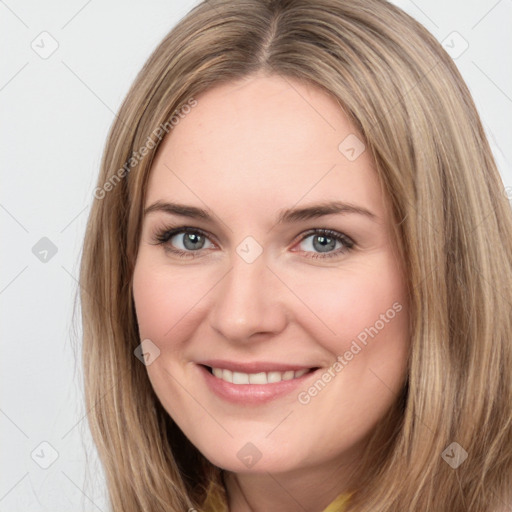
x=251, y=393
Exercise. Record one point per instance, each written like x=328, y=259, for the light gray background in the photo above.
x=56, y=113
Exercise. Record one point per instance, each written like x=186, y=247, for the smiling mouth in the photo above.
x=272, y=377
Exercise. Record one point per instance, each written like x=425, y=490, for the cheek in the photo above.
x=164, y=299
x=361, y=318
x=357, y=303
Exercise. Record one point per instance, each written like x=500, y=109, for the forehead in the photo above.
x=260, y=144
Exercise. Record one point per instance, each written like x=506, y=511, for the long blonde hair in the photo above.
x=453, y=222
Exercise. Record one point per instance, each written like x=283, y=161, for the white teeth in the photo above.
x=274, y=377
x=240, y=378
x=257, y=378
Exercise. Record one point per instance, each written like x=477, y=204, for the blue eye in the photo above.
x=324, y=243
x=193, y=240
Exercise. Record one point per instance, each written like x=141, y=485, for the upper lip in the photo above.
x=254, y=366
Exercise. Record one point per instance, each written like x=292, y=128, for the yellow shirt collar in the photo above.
x=216, y=501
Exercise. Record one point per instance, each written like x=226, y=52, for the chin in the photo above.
x=251, y=457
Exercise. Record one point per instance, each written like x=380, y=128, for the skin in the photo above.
x=248, y=150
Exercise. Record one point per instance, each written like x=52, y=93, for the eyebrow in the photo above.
x=286, y=216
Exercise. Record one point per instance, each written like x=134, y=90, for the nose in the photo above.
x=249, y=303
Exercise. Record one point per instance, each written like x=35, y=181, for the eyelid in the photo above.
x=324, y=231
x=164, y=234
x=169, y=228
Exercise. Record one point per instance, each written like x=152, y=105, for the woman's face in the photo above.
x=306, y=329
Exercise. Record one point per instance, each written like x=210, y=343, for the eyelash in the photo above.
x=162, y=236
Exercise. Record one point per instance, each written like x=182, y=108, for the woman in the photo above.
x=297, y=278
